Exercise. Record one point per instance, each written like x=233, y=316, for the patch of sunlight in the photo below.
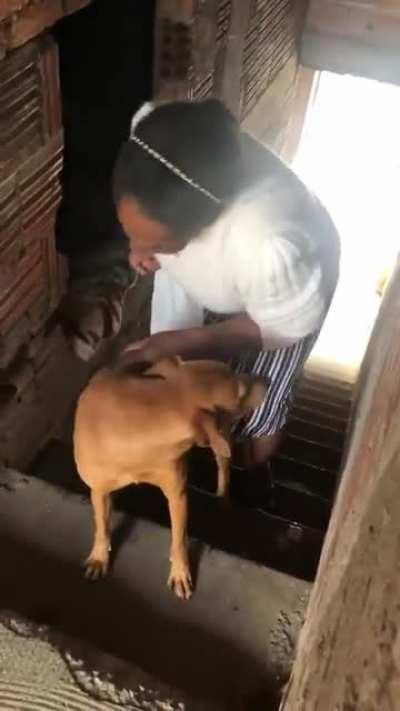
x=350, y=156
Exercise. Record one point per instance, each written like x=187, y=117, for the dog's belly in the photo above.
x=119, y=466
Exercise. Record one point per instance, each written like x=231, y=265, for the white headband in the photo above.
x=146, y=109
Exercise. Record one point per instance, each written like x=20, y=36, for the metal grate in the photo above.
x=269, y=44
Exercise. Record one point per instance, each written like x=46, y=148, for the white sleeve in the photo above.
x=171, y=306
x=281, y=290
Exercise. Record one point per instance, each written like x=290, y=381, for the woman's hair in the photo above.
x=202, y=141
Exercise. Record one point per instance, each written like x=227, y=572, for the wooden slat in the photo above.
x=349, y=644
x=23, y=20
x=352, y=37
x=31, y=155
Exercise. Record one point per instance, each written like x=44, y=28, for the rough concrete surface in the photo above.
x=38, y=669
x=228, y=648
x=33, y=675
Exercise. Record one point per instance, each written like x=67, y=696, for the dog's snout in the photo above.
x=252, y=392
x=258, y=391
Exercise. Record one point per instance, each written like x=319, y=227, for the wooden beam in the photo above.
x=355, y=37
x=349, y=651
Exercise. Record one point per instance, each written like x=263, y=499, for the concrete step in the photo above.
x=227, y=646
x=260, y=536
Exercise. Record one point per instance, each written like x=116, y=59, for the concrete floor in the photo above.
x=33, y=674
x=230, y=647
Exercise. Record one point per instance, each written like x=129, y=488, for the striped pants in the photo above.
x=281, y=369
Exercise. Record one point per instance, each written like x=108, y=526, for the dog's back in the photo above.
x=127, y=425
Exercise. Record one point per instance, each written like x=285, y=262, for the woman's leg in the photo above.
x=259, y=450
x=262, y=434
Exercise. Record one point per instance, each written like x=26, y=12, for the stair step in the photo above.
x=311, y=413
x=317, y=403
x=252, y=534
x=305, y=477
x=313, y=431
x=332, y=390
x=291, y=503
x=309, y=452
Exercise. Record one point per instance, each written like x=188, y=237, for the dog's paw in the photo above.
x=223, y=492
x=180, y=582
x=95, y=568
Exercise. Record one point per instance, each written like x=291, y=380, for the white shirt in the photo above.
x=262, y=256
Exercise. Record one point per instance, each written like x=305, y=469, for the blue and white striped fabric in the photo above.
x=281, y=370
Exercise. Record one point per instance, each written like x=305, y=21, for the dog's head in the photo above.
x=225, y=390
x=221, y=389
x=252, y=391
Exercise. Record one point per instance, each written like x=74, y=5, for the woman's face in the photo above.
x=146, y=236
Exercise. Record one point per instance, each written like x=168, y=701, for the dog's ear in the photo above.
x=252, y=392
x=166, y=367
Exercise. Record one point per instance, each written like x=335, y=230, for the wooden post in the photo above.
x=348, y=656
x=359, y=37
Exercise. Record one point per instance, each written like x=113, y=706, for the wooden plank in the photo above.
x=232, y=73
x=353, y=37
x=373, y=23
x=306, y=83
x=23, y=20
x=348, y=651
x=30, y=21
x=31, y=157
x=70, y=6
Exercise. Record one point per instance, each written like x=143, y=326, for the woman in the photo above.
x=237, y=236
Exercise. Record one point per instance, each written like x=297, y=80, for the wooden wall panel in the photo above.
x=354, y=36
x=22, y=20
x=348, y=654
x=242, y=51
x=31, y=156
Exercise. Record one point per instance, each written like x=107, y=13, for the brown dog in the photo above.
x=132, y=429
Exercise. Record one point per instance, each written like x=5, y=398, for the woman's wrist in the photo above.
x=192, y=342
x=217, y=341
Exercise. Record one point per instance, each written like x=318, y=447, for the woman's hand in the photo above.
x=144, y=265
x=187, y=343
x=153, y=348
x=219, y=341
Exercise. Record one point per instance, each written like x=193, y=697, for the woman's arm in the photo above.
x=219, y=341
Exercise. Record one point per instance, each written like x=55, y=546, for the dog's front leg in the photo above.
x=97, y=563
x=216, y=435
x=223, y=459
x=179, y=580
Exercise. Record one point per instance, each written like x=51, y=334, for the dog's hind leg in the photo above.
x=96, y=565
x=174, y=488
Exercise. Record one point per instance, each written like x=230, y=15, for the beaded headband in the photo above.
x=146, y=109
